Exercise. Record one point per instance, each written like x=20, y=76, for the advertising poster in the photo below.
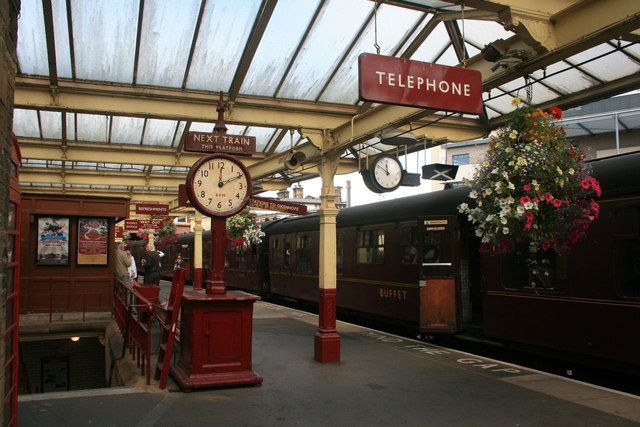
x=93, y=241
x=53, y=241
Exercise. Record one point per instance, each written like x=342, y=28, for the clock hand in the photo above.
x=385, y=170
x=233, y=178
x=220, y=182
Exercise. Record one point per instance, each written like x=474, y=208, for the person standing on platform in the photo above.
x=133, y=270
x=123, y=261
x=151, y=263
x=179, y=262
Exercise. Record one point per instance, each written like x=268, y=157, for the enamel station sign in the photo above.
x=390, y=80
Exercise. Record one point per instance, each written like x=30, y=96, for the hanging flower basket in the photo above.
x=242, y=230
x=532, y=187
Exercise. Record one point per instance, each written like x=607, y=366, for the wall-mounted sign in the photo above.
x=204, y=142
x=93, y=234
x=152, y=209
x=391, y=80
x=277, y=205
x=137, y=224
x=53, y=241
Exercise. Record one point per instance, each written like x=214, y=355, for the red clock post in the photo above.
x=216, y=324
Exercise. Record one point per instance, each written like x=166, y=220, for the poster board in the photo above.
x=93, y=241
x=53, y=241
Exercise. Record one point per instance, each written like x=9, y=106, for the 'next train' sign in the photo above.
x=402, y=81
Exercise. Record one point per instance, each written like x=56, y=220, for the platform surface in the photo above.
x=382, y=380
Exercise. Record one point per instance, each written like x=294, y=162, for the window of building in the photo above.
x=370, y=247
x=516, y=273
x=627, y=251
x=303, y=253
x=460, y=159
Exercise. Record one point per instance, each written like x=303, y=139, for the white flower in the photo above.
x=473, y=194
x=520, y=209
x=528, y=205
x=479, y=232
x=503, y=220
x=505, y=230
x=511, y=186
x=463, y=207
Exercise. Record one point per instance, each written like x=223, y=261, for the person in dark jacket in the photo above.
x=151, y=263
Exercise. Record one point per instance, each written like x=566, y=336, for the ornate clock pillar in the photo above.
x=216, y=324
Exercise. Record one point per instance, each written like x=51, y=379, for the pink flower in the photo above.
x=529, y=216
x=527, y=187
x=548, y=197
x=586, y=184
x=557, y=203
x=525, y=199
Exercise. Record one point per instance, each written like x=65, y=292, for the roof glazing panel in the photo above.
x=25, y=123
x=126, y=130
x=286, y=29
x=32, y=47
x=167, y=31
x=159, y=132
x=341, y=88
x=96, y=21
x=333, y=31
x=225, y=28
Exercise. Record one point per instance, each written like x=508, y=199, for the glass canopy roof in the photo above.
x=267, y=51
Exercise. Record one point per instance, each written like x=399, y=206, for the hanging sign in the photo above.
x=204, y=142
x=152, y=209
x=277, y=205
x=400, y=81
x=136, y=224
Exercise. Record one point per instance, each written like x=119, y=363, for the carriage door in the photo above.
x=438, y=289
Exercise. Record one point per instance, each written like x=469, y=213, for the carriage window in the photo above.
x=339, y=252
x=287, y=254
x=370, y=246
x=409, y=245
x=627, y=251
x=516, y=274
x=303, y=253
x=436, y=246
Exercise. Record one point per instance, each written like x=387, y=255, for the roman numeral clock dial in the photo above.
x=219, y=185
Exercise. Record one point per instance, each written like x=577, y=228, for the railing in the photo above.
x=134, y=315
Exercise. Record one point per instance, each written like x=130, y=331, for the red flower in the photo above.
x=586, y=184
x=556, y=112
x=527, y=187
x=525, y=199
x=545, y=245
x=548, y=197
x=557, y=203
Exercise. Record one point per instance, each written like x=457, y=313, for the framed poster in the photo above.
x=53, y=241
x=93, y=241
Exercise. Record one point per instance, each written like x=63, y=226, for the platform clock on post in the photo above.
x=216, y=325
x=218, y=186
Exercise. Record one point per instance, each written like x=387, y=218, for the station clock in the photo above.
x=384, y=174
x=219, y=185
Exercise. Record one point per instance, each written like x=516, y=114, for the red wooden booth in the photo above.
x=66, y=252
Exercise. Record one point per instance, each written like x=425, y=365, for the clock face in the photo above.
x=386, y=172
x=219, y=185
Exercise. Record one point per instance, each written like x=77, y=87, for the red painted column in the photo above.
x=197, y=278
x=215, y=284
x=327, y=340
